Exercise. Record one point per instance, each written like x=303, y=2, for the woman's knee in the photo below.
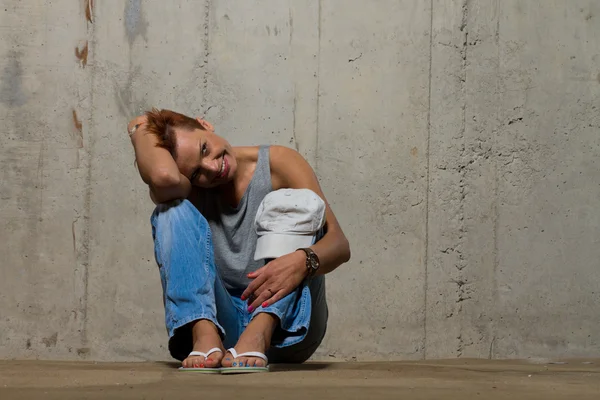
x=178, y=211
x=178, y=219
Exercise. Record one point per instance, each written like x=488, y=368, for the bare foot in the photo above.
x=256, y=337
x=206, y=336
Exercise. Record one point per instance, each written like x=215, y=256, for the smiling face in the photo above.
x=205, y=158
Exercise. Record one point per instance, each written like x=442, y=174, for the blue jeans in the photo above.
x=193, y=290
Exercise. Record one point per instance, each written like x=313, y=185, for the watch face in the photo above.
x=314, y=263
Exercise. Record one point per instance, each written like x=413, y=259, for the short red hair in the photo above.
x=162, y=124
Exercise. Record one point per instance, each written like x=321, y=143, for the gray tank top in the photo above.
x=234, y=242
x=233, y=233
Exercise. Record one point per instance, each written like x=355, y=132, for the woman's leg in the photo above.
x=289, y=347
x=289, y=331
x=199, y=312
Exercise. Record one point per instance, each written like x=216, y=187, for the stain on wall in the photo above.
x=82, y=54
x=128, y=105
x=50, y=341
x=89, y=11
x=78, y=129
x=135, y=24
x=11, y=81
x=83, y=351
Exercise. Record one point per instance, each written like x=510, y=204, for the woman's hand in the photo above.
x=156, y=165
x=276, y=280
x=135, y=125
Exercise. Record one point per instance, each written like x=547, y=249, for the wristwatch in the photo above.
x=312, y=261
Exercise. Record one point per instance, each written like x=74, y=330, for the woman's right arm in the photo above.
x=156, y=166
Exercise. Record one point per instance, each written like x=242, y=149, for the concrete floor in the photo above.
x=453, y=379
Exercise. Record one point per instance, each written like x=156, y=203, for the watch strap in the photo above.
x=311, y=266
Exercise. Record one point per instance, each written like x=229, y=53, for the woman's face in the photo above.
x=205, y=158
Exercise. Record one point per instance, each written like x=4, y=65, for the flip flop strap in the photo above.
x=248, y=354
x=205, y=355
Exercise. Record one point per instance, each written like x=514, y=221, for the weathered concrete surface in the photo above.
x=44, y=207
x=512, y=247
x=456, y=141
x=457, y=379
x=371, y=159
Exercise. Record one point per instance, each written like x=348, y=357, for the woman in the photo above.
x=215, y=293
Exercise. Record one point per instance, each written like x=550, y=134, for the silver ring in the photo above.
x=132, y=131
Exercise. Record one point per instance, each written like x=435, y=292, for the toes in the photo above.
x=228, y=360
x=239, y=362
x=255, y=362
x=193, y=362
x=248, y=362
x=211, y=362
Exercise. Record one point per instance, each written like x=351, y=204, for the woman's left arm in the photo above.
x=290, y=170
x=279, y=277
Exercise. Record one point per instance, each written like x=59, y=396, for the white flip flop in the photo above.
x=205, y=355
x=246, y=370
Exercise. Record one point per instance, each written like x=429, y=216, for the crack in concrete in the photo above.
x=492, y=343
x=318, y=102
x=206, y=53
x=427, y=185
x=461, y=169
x=83, y=253
x=471, y=152
x=355, y=58
x=495, y=168
x=295, y=104
x=294, y=107
x=207, y=110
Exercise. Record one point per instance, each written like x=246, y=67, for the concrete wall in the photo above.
x=456, y=140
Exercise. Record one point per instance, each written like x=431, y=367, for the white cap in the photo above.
x=287, y=219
